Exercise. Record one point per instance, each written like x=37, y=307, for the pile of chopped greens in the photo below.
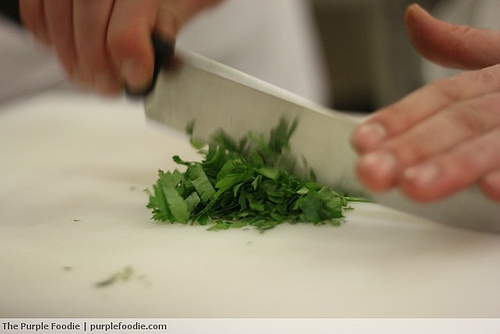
x=244, y=183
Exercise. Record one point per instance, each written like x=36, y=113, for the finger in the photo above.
x=451, y=45
x=434, y=136
x=59, y=18
x=33, y=18
x=456, y=170
x=422, y=104
x=90, y=20
x=129, y=40
x=491, y=185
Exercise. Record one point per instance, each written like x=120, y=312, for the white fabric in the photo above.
x=274, y=41
x=24, y=66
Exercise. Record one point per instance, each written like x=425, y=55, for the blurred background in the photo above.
x=370, y=61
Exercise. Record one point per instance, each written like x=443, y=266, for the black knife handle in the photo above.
x=10, y=9
x=163, y=50
x=163, y=53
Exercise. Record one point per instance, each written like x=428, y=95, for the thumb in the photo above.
x=450, y=45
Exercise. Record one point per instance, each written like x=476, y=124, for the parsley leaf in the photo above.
x=244, y=183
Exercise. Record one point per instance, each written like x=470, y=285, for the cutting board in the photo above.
x=73, y=215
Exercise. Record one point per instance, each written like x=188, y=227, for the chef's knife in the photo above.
x=217, y=97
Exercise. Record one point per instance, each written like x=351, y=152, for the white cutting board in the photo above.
x=72, y=213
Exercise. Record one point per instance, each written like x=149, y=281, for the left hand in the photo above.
x=445, y=136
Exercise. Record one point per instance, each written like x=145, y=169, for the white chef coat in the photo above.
x=275, y=41
x=25, y=67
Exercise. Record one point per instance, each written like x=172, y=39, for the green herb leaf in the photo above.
x=245, y=183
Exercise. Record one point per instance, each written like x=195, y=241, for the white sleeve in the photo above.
x=25, y=68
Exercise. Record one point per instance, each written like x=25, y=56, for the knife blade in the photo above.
x=217, y=97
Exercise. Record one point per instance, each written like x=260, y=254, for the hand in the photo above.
x=106, y=44
x=445, y=136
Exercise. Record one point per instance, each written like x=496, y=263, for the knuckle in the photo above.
x=456, y=88
x=475, y=116
x=94, y=61
x=121, y=43
x=448, y=90
x=408, y=152
x=467, y=121
x=475, y=158
x=486, y=77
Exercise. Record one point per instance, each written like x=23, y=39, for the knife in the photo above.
x=217, y=97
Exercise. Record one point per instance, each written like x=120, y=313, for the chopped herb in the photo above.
x=123, y=275
x=244, y=183
x=108, y=281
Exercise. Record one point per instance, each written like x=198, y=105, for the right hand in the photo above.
x=105, y=45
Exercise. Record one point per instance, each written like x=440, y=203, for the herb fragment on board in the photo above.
x=123, y=275
x=244, y=183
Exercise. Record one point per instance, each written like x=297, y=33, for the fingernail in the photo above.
x=369, y=135
x=133, y=75
x=382, y=165
x=423, y=175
